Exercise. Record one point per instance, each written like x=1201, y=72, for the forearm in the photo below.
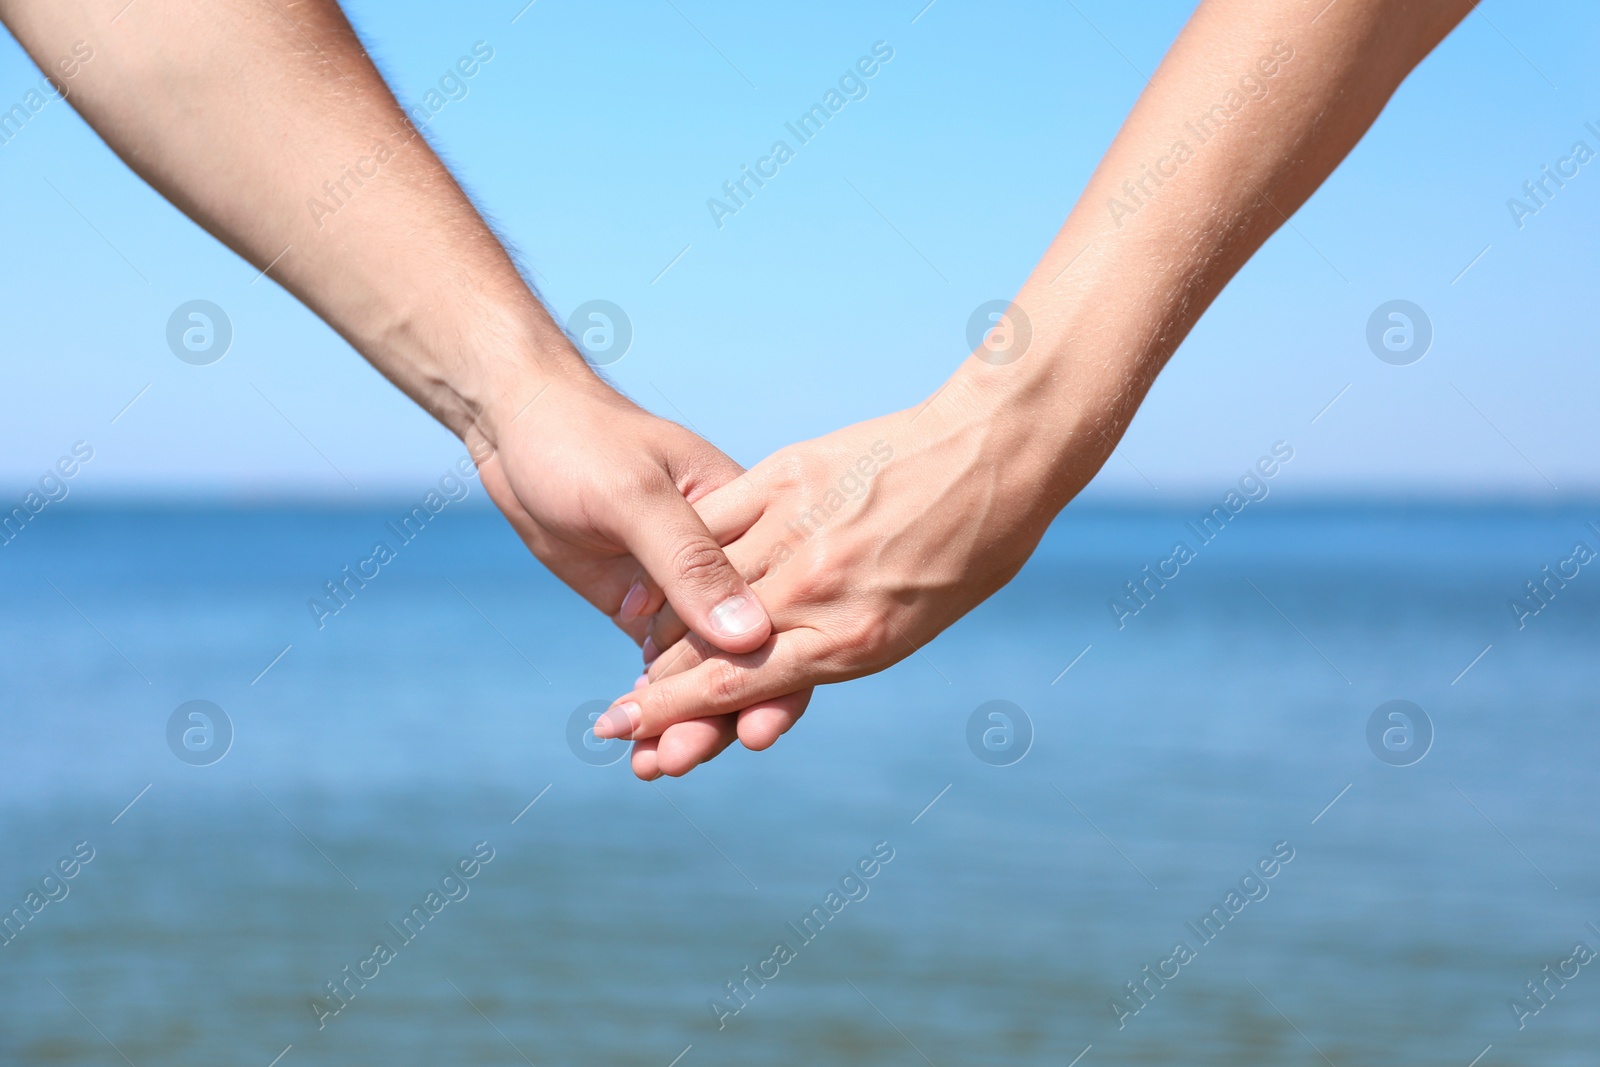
x=1253, y=107
x=267, y=124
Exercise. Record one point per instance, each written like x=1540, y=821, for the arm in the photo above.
x=267, y=124
x=1252, y=108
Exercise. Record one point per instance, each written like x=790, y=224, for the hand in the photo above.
x=600, y=490
x=409, y=273
x=684, y=746
x=863, y=545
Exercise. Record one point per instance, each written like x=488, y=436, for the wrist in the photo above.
x=1053, y=414
x=497, y=369
x=1071, y=358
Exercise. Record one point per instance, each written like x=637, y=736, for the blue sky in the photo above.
x=598, y=131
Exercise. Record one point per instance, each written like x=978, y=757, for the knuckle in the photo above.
x=815, y=579
x=639, y=481
x=723, y=681
x=859, y=642
x=870, y=635
x=698, y=563
x=789, y=471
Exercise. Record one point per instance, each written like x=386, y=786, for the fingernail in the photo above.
x=633, y=603
x=641, y=681
x=617, y=721
x=650, y=651
x=737, y=615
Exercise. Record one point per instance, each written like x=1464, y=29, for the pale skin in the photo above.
x=238, y=111
x=981, y=468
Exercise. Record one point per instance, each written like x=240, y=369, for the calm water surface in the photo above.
x=1177, y=753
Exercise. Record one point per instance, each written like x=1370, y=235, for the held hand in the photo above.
x=684, y=746
x=601, y=492
x=863, y=545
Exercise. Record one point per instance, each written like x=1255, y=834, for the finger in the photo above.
x=709, y=470
x=643, y=600
x=722, y=684
x=759, y=727
x=730, y=511
x=638, y=629
x=666, y=629
x=687, y=654
x=684, y=746
x=705, y=590
x=642, y=759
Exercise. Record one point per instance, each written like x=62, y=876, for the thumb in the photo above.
x=708, y=594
